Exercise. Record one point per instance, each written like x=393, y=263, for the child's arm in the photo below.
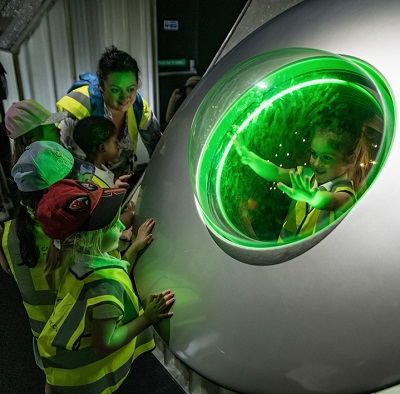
x=264, y=168
x=107, y=338
x=301, y=190
x=121, y=182
x=128, y=215
x=144, y=238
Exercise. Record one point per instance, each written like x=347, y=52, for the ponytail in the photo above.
x=362, y=165
x=26, y=228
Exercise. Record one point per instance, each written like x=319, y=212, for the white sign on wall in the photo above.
x=171, y=25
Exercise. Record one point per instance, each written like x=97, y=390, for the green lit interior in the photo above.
x=272, y=101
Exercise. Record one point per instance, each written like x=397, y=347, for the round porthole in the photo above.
x=275, y=105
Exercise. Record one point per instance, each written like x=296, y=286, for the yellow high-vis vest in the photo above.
x=65, y=344
x=304, y=220
x=37, y=298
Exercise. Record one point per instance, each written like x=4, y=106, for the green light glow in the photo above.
x=272, y=101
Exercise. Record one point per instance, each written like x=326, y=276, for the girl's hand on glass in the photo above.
x=158, y=306
x=301, y=189
x=144, y=236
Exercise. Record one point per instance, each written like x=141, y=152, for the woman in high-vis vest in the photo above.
x=93, y=335
x=24, y=246
x=113, y=93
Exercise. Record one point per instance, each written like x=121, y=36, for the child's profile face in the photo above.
x=326, y=162
x=111, y=237
x=111, y=147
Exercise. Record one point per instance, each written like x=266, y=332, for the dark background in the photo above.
x=203, y=27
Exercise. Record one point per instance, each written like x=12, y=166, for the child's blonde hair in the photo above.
x=84, y=242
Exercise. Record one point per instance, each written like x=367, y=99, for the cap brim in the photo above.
x=106, y=209
x=55, y=118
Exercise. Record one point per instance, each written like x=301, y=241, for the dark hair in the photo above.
x=346, y=136
x=21, y=142
x=92, y=131
x=115, y=60
x=26, y=227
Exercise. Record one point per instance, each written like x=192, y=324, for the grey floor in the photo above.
x=19, y=373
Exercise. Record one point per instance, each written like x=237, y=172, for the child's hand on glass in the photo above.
x=144, y=236
x=158, y=306
x=301, y=189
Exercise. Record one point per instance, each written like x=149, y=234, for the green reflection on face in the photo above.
x=327, y=162
x=119, y=90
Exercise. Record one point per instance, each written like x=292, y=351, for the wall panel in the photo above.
x=70, y=37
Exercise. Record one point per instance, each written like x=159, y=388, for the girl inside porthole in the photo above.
x=324, y=190
x=331, y=149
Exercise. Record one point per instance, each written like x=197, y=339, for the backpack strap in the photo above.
x=96, y=99
x=138, y=109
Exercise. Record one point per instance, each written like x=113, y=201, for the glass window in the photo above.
x=276, y=105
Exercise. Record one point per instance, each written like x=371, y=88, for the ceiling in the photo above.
x=17, y=18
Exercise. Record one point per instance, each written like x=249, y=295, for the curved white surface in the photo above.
x=326, y=321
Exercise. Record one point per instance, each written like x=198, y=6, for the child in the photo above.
x=95, y=139
x=27, y=121
x=23, y=244
x=88, y=342
x=112, y=93
x=323, y=191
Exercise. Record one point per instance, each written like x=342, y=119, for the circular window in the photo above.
x=287, y=108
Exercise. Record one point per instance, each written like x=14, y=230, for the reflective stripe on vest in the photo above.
x=76, y=103
x=65, y=344
x=38, y=299
x=303, y=220
x=95, y=179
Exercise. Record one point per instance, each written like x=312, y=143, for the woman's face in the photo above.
x=119, y=90
x=111, y=237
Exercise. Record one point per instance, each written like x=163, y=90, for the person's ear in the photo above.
x=101, y=148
